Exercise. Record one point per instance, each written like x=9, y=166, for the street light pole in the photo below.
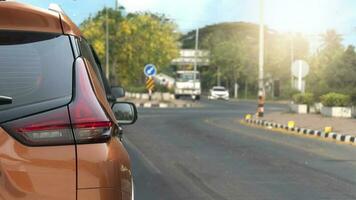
x=116, y=4
x=196, y=52
x=292, y=58
x=261, y=90
x=218, y=76
x=261, y=49
x=196, y=56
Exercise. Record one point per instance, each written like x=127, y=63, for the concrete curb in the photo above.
x=344, y=138
x=163, y=105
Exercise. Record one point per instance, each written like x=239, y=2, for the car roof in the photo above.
x=17, y=16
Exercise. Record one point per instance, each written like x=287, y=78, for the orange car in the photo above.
x=59, y=132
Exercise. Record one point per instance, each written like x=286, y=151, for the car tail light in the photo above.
x=89, y=121
x=49, y=128
x=82, y=121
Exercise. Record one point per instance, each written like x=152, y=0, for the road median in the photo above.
x=159, y=100
x=299, y=130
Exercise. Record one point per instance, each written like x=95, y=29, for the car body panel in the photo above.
x=30, y=18
x=23, y=17
x=36, y=173
x=69, y=27
x=219, y=93
x=110, y=167
x=99, y=193
x=104, y=165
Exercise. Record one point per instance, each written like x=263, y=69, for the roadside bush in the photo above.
x=142, y=89
x=137, y=89
x=306, y=98
x=335, y=100
x=287, y=92
x=353, y=98
x=163, y=89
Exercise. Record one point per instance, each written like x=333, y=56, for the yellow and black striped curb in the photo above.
x=344, y=138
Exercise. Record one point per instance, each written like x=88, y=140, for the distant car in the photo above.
x=219, y=92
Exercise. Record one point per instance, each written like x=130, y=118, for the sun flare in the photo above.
x=306, y=16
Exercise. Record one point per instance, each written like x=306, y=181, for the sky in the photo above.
x=310, y=17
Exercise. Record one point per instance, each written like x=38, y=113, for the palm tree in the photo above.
x=331, y=45
x=331, y=40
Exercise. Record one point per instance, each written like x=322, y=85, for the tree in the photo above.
x=135, y=40
x=94, y=28
x=331, y=47
x=324, y=61
x=227, y=57
x=230, y=46
x=145, y=38
x=234, y=50
x=341, y=72
x=331, y=40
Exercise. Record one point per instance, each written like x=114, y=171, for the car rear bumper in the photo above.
x=218, y=97
x=187, y=92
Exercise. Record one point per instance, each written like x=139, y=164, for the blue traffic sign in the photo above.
x=150, y=70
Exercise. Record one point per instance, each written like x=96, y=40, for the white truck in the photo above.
x=185, y=85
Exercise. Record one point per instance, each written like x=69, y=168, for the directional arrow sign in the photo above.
x=150, y=70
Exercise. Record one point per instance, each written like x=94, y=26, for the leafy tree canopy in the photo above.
x=135, y=40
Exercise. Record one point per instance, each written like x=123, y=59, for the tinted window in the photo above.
x=219, y=89
x=187, y=77
x=34, y=68
x=88, y=54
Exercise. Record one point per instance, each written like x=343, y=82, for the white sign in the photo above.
x=300, y=69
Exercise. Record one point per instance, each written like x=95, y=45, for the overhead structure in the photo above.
x=187, y=57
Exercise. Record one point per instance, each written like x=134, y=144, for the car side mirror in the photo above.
x=125, y=112
x=117, y=92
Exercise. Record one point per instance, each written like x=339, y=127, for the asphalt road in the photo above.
x=204, y=153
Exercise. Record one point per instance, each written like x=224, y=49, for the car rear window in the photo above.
x=184, y=77
x=219, y=89
x=34, y=68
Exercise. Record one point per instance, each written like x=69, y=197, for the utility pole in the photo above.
x=218, y=76
x=196, y=51
x=292, y=58
x=107, y=67
x=261, y=49
x=261, y=90
x=116, y=4
x=196, y=55
x=236, y=90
